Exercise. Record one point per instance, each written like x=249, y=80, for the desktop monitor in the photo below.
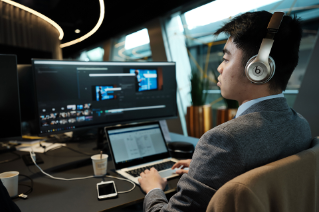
x=72, y=95
x=9, y=98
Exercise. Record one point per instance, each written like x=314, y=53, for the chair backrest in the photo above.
x=290, y=184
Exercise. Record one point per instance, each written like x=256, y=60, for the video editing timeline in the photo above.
x=136, y=142
x=68, y=114
x=73, y=94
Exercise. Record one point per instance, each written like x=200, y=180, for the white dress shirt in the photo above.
x=250, y=103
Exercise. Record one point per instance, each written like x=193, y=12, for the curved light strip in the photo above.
x=97, y=26
x=120, y=44
x=37, y=14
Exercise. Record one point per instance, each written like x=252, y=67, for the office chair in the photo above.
x=287, y=185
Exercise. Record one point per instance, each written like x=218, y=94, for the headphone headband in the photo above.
x=275, y=21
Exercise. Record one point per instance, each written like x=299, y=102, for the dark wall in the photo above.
x=24, y=55
x=9, y=98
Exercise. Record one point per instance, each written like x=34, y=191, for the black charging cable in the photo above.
x=10, y=160
x=24, y=195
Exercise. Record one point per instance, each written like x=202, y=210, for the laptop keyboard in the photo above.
x=158, y=167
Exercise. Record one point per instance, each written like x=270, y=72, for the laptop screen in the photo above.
x=135, y=145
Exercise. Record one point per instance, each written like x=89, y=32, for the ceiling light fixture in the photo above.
x=77, y=31
x=37, y=14
x=97, y=26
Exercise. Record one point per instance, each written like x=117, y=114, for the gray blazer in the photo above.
x=265, y=132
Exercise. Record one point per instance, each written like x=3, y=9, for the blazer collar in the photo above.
x=276, y=104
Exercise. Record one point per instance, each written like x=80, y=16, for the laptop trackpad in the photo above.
x=167, y=173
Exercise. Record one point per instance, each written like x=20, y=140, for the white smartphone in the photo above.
x=106, y=189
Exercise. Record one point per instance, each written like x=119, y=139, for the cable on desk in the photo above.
x=122, y=192
x=31, y=187
x=25, y=194
x=32, y=155
x=74, y=150
x=16, y=158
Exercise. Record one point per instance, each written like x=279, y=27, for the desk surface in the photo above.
x=80, y=195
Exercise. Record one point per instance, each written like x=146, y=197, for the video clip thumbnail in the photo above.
x=72, y=120
x=87, y=112
x=145, y=80
x=45, y=117
x=87, y=105
x=54, y=122
x=44, y=123
x=63, y=121
x=64, y=115
x=72, y=113
x=104, y=93
x=80, y=119
x=53, y=115
x=88, y=118
x=71, y=107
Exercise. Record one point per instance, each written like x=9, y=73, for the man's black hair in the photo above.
x=248, y=30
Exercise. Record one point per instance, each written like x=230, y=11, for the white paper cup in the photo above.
x=10, y=181
x=99, y=165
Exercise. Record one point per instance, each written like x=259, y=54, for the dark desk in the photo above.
x=79, y=195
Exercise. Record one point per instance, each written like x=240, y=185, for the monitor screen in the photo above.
x=74, y=95
x=136, y=142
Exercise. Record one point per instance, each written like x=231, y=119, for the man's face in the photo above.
x=232, y=80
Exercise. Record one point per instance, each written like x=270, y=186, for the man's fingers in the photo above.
x=181, y=171
x=184, y=163
x=176, y=165
x=142, y=174
x=146, y=171
x=139, y=180
x=153, y=169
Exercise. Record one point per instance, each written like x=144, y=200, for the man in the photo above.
x=265, y=128
x=137, y=81
x=6, y=203
x=100, y=93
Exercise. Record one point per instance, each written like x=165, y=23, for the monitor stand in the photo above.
x=101, y=139
x=94, y=134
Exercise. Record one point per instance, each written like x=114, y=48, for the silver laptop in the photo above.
x=136, y=148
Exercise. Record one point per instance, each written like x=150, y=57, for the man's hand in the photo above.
x=151, y=179
x=184, y=163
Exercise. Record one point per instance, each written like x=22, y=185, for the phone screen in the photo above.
x=105, y=189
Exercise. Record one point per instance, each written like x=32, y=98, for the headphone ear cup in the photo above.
x=257, y=72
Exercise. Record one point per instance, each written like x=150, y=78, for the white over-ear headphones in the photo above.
x=261, y=67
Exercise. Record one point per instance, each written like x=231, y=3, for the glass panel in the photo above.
x=94, y=54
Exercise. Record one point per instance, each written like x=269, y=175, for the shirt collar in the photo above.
x=250, y=103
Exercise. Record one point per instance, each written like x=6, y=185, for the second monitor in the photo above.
x=73, y=95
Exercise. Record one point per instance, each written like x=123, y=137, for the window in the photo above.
x=95, y=54
x=192, y=45
x=205, y=50
x=132, y=47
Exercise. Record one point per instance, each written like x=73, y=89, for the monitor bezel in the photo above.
x=37, y=122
